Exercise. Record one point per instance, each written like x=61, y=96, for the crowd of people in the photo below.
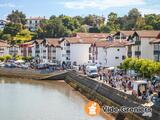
x=119, y=80
x=116, y=79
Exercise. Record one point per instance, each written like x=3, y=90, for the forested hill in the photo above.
x=62, y=25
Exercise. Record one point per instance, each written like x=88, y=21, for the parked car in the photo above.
x=9, y=65
x=2, y=64
x=92, y=71
x=139, y=87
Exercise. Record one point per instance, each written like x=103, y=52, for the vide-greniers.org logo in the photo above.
x=144, y=110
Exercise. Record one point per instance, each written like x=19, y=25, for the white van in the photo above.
x=139, y=87
x=92, y=71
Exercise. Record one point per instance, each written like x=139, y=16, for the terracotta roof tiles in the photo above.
x=3, y=44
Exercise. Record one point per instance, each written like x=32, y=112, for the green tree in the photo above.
x=70, y=23
x=83, y=28
x=7, y=37
x=94, y=20
x=150, y=20
x=112, y=22
x=140, y=23
x=17, y=17
x=55, y=28
x=24, y=35
x=80, y=19
x=52, y=17
x=105, y=29
x=2, y=58
x=148, y=27
x=18, y=57
x=12, y=29
x=7, y=57
x=133, y=16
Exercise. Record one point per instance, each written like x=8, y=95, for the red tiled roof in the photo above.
x=93, y=35
x=127, y=33
x=53, y=42
x=107, y=44
x=36, y=18
x=118, y=43
x=39, y=41
x=3, y=44
x=148, y=33
x=76, y=40
x=27, y=44
x=102, y=43
x=156, y=41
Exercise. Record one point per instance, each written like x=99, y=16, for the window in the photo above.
x=90, y=57
x=156, y=47
x=118, y=49
x=67, y=44
x=54, y=58
x=123, y=57
x=1, y=49
x=156, y=57
x=90, y=50
x=116, y=57
x=54, y=51
x=67, y=58
x=30, y=21
x=68, y=51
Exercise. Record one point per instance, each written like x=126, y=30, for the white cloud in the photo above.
x=7, y=5
x=149, y=11
x=101, y=4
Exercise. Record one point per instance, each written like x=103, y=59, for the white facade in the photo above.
x=2, y=24
x=45, y=53
x=115, y=56
x=147, y=48
x=101, y=56
x=33, y=23
x=79, y=53
x=4, y=50
x=14, y=50
x=65, y=51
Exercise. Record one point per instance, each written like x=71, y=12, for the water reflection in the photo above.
x=39, y=100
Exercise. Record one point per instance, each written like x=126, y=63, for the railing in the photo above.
x=137, y=42
x=156, y=52
x=138, y=53
x=129, y=54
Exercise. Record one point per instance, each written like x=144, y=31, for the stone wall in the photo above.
x=118, y=98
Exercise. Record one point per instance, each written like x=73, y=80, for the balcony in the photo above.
x=137, y=53
x=156, y=52
x=37, y=51
x=137, y=42
x=129, y=54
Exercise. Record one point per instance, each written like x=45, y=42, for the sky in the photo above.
x=35, y=8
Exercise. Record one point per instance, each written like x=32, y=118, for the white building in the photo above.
x=140, y=46
x=156, y=45
x=2, y=24
x=33, y=23
x=76, y=50
x=108, y=53
x=4, y=48
x=14, y=50
x=26, y=49
x=47, y=51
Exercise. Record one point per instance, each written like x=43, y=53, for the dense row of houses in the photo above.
x=101, y=48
